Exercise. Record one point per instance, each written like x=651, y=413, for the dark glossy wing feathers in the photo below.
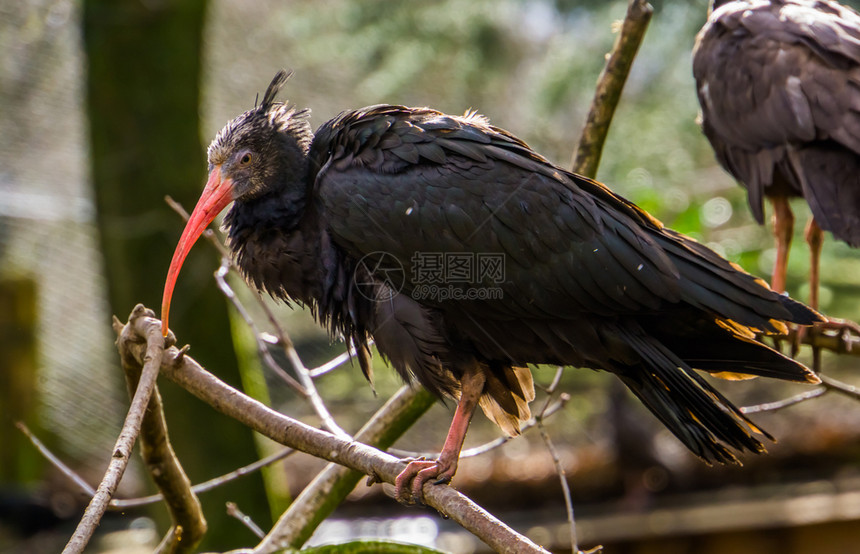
x=589, y=278
x=570, y=245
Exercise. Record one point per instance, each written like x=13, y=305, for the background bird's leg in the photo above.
x=814, y=238
x=783, y=227
x=443, y=469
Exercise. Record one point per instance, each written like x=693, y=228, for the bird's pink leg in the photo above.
x=442, y=470
x=783, y=227
x=814, y=238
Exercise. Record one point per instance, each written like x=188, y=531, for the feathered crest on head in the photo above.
x=273, y=89
x=267, y=115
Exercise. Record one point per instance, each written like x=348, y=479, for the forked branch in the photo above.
x=187, y=373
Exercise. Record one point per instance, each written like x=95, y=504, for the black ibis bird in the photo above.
x=779, y=86
x=467, y=256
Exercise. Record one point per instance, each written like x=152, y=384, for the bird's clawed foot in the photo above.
x=844, y=330
x=409, y=485
x=843, y=327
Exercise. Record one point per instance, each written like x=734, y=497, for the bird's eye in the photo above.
x=246, y=159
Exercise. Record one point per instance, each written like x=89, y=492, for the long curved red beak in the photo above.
x=215, y=197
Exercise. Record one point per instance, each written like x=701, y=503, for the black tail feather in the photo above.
x=705, y=421
x=728, y=348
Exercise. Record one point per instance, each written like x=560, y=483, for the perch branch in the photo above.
x=609, y=87
x=151, y=356
x=189, y=524
x=334, y=482
x=187, y=373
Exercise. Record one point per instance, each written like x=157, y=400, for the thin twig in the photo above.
x=184, y=371
x=559, y=468
x=234, y=511
x=306, y=385
x=302, y=372
x=609, y=87
x=842, y=388
x=124, y=504
x=123, y=447
x=57, y=462
x=335, y=362
x=779, y=404
x=227, y=263
x=562, y=477
x=262, y=348
x=208, y=234
x=821, y=337
x=210, y=484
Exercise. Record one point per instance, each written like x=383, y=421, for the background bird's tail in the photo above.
x=829, y=175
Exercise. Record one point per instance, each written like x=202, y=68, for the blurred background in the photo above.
x=107, y=106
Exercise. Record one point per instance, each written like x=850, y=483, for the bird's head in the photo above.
x=263, y=151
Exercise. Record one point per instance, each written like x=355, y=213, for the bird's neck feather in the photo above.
x=271, y=238
x=282, y=247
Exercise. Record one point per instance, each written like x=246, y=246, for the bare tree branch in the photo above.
x=189, y=524
x=57, y=462
x=334, y=482
x=779, y=404
x=153, y=350
x=262, y=349
x=301, y=371
x=124, y=504
x=568, y=504
x=188, y=374
x=234, y=511
x=335, y=362
x=822, y=337
x=210, y=484
x=609, y=87
x=842, y=388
